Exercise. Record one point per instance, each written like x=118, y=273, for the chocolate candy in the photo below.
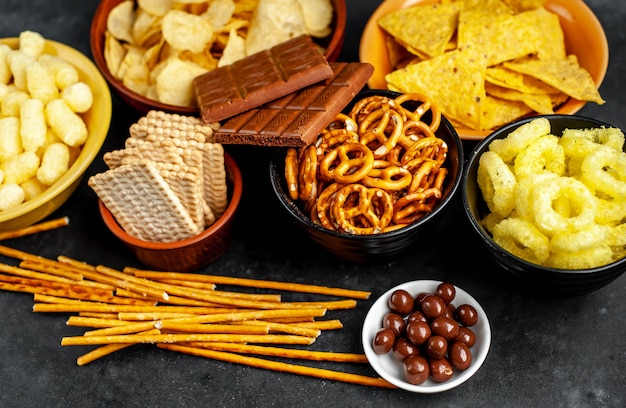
x=394, y=322
x=415, y=369
x=297, y=119
x=440, y=370
x=383, y=341
x=460, y=355
x=401, y=302
x=466, y=315
x=260, y=78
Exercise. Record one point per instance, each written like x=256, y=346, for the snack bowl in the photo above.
x=391, y=369
x=583, y=35
x=379, y=246
x=531, y=276
x=97, y=119
x=191, y=253
x=332, y=45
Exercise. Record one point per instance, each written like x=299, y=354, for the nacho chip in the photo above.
x=464, y=77
x=522, y=5
x=540, y=103
x=498, y=112
x=563, y=74
x=504, y=77
x=549, y=40
x=423, y=29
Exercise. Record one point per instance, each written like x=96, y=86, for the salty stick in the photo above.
x=106, y=350
x=181, y=338
x=254, y=283
x=35, y=228
x=283, y=352
x=212, y=328
x=279, y=366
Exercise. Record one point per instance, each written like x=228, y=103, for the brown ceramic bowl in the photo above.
x=140, y=103
x=192, y=253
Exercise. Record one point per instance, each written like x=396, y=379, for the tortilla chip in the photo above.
x=507, y=78
x=540, y=103
x=498, y=112
x=454, y=79
x=522, y=5
x=424, y=29
x=563, y=74
x=549, y=40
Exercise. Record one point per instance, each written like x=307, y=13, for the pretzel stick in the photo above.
x=282, y=328
x=50, y=284
x=279, y=366
x=81, y=321
x=256, y=314
x=138, y=316
x=322, y=324
x=212, y=328
x=172, y=300
x=180, y=282
x=75, y=263
x=106, y=350
x=131, y=328
x=180, y=338
x=35, y=228
x=95, y=307
x=50, y=269
x=255, y=283
x=282, y=352
x=27, y=273
x=99, y=315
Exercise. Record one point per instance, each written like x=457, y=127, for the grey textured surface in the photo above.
x=545, y=352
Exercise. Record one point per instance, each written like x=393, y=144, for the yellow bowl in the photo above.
x=98, y=119
x=584, y=37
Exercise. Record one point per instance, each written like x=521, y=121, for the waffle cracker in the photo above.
x=162, y=150
x=214, y=175
x=129, y=188
x=159, y=123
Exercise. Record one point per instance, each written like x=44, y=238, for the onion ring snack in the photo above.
x=378, y=168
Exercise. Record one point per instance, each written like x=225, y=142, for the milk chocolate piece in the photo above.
x=259, y=78
x=296, y=119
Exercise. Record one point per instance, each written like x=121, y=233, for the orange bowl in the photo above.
x=584, y=37
x=332, y=45
x=188, y=254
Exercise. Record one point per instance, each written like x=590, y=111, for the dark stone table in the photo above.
x=545, y=352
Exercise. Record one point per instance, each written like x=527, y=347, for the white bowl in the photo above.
x=390, y=368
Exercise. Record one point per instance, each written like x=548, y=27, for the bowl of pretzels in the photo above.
x=380, y=175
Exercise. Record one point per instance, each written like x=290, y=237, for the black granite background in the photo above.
x=545, y=351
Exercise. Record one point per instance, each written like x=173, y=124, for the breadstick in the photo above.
x=255, y=283
x=183, y=338
x=106, y=350
x=181, y=282
x=35, y=228
x=282, y=352
x=279, y=366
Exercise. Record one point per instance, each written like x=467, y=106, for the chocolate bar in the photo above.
x=259, y=78
x=296, y=119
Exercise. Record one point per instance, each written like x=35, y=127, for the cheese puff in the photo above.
x=18, y=61
x=32, y=43
x=5, y=69
x=33, y=127
x=20, y=168
x=11, y=195
x=1, y=176
x=65, y=73
x=11, y=102
x=51, y=137
x=78, y=97
x=54, y=163
x=40, y=82
x=32, y=188
x=10, y=140
x=66, y=124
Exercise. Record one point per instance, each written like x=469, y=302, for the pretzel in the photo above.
x=355, y=161
x=381, y=177
x=373, y=218
x=291, y=172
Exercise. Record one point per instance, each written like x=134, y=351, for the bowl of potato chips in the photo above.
x=149, y=51
x=547, y=197
x=489, y=63
x=379, y=177
x=56, y=111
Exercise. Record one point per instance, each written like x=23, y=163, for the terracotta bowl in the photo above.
x=584, y=37
x=375, y=247
x=98, y=119
x=192, y=253
x=332, y=44
x=527, y=275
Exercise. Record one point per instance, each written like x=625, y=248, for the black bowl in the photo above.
x=377, y=247
x=539, y=279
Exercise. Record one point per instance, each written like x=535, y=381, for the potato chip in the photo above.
x=120, y=20
x=156, y=7
x=423, y=30
x=185, y=31
x=114, y=53
x=174, y=82
x=219, y=13
x=273, y=22
x=146, y=28
x=563, y=74
x=318, y=14
x=235, y=49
